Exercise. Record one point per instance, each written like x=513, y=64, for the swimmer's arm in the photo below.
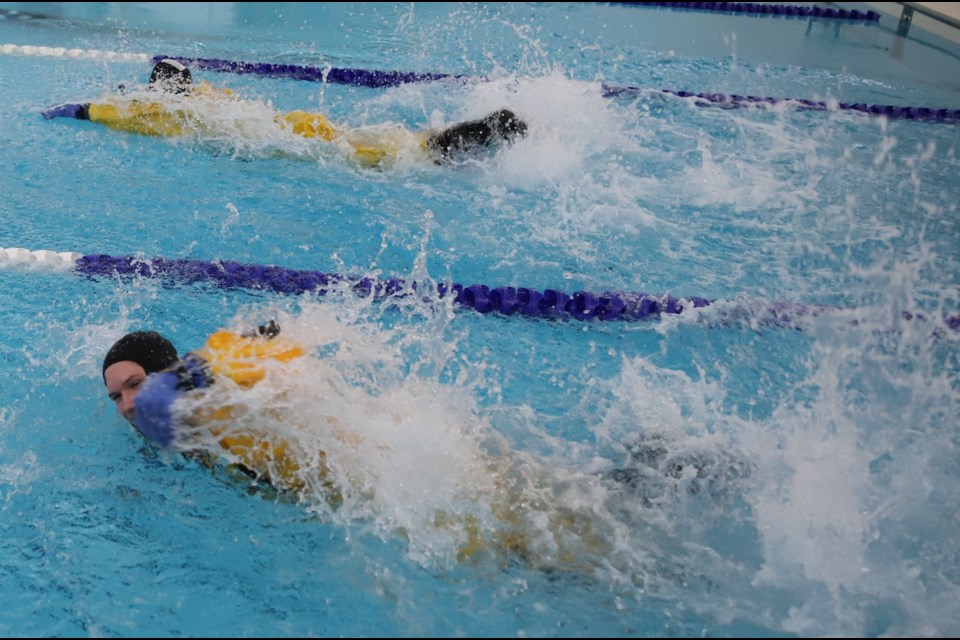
x=153, y=408
x=146, y=118
x=81, y=110
x=97, y=112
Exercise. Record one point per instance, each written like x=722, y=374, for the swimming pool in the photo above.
x=748, y=477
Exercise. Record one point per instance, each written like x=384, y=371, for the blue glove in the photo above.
x=78, y=111
x=153, y=416
x=193, y=372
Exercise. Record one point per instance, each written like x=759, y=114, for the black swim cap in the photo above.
x=148, y=349
x=171, y=76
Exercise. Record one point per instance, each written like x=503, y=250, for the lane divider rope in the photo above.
x=762, y=9
x=549, y=303
x=381, y=79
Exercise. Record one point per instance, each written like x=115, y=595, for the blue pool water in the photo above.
x=712, y=474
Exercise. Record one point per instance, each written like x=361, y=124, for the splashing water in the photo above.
x=732, y=476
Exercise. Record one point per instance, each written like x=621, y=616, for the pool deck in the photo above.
x=949, y=10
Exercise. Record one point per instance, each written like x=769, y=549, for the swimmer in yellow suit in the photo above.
x=145, y=377
x=178, y=114
x=145, y=356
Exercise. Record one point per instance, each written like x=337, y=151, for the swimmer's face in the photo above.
x=123, y=380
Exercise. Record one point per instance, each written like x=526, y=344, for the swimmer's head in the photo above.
x=148, y=349
x=171, y=76
x=128, y=363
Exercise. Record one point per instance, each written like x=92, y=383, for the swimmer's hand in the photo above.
x=153, y=408
x=193, y=372
x=78, y=111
